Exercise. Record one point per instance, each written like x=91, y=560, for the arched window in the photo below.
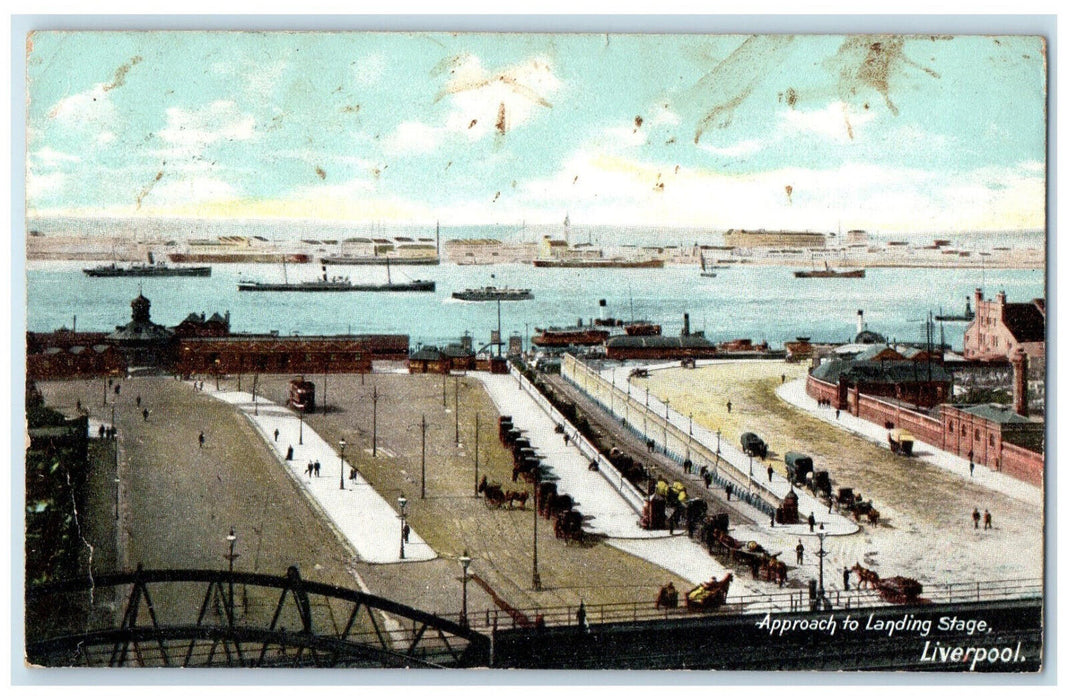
x=991, y=439
x=977, y=433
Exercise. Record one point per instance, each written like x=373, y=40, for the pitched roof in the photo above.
x=891, y=372
x=995, y=412
x=1025, y=322
x=427, y=352
x=658, y=341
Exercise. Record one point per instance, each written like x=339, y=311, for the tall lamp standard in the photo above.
x=232, y=539
x=476, y=454
x=374, y=421
x=465, y=561
x=342, y=469
x=216, y=374
x=667, y=404
x=536, y=578
x=300, y=437
x=822, y=602
x=403, y=503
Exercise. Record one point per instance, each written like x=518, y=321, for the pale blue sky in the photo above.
x=882, y=133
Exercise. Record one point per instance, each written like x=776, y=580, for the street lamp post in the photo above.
x=232, y=539
x=342, y=469
x=822, y=602
x=465, y=561
x=456, y=409
x=216, y=374
x=255, y=386
x=403, y=503
x=476, y=454
x=300, y=437
x=667, y=403
x=536, y=578
x=422, y=460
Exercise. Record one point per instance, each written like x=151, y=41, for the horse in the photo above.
x=493, y=493
x=865, y=577
x=513, y=496
x=873, y=517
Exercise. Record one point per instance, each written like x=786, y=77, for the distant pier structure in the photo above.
x=742, y=238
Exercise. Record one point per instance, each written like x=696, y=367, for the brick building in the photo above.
x=999, y=328
x=237, y=354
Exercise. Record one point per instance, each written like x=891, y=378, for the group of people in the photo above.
x=312, y=468
x=198, y=386
x=668, y=597
x=987, y=524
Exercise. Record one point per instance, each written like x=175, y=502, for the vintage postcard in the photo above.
x=535, y=351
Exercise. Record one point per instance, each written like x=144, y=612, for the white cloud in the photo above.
x=479, y=97
x=414, y=137
x=369, y=69
x=49, y=156
x=104, y=138
x=92, y=106
x=39, y=186
x=836, y=122
x=172, y=191
x=625, y=136
x=736, y=150
x=188, y=131
x=662, y=114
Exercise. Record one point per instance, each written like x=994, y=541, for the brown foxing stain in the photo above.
x=501, y=124
x=637, y=123
x=472, y=124
x=789, y=194
x=789, y=97
x=320, y=172
x=730, y=82
x=874, y=63
x=120, y=74
x=669, y=141
x=501, y=78
x=148, y=188
x=676, y=169
x=575, y=180
x=497, y=196
x=350, y=109
x=659, y=186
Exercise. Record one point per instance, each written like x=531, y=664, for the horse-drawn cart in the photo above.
x=709, y=595
x=900, y=442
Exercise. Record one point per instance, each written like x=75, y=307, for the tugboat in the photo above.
x=493, y=294
x=968, y=314
x=827, y=272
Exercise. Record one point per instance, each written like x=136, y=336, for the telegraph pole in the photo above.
x=456, y=410
x=422, y=485
x=374, y=422
x=476, y=455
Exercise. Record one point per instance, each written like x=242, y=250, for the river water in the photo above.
x=761, y=303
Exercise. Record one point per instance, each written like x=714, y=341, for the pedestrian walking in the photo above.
x=811, y=522
x=773, y=521
x=405, y=531
x=728, y=407
x=144, y=414
x=784, y=379
x=975, y=518
x=102, y=430
x=276, y=434
x=200, y=439
x=353, y=473
x=729, y=489
x=830, y=504
x=800, y=549
x=845, y=577
x=118, y=389
x=580, y=615
x=770, y=472
x=987, y=525
x=837, y=413
x=316, y=467
x=289, y=453
x=971, y=468
x=708, y=479
x=138, y=400
x=308, y=469
x=567, y=438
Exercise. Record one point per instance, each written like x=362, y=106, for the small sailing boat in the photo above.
x=706, y=270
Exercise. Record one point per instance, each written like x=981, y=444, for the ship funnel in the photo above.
x=860, y=321
x=685, y=325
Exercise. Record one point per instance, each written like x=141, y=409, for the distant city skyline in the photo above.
x=889, y=133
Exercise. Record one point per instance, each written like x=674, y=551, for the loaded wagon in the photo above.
x=821, y=483
x=753, y=445
x=798, y=467
x=709, y=595
x=900, y=442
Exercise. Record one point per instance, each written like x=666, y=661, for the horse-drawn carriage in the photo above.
x=709, y=595
x=798, y=467
x=896, y=589
x=820, y=483
x=900, y=442
x=753, y=445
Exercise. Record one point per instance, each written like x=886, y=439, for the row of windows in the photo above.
x=964, y=431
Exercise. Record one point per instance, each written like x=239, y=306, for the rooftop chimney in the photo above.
x=1019, y=382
